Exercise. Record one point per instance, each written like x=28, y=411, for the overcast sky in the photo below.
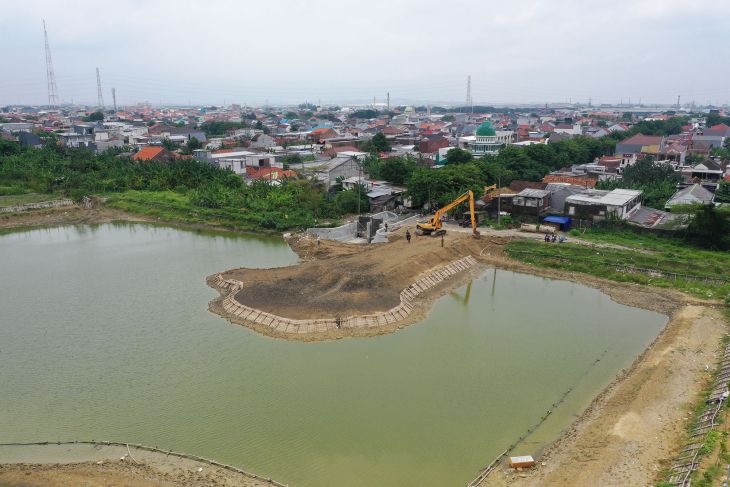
x=339, y=51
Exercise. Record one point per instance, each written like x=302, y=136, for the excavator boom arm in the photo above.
x=435, y=223
x=436, y=219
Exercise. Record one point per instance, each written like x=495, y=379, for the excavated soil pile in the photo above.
x=337, y=279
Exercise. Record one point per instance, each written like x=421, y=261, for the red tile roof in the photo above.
x=587, y=182
x=149, y=152
x=269, y=173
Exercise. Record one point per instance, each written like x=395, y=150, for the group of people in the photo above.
x=554, y=238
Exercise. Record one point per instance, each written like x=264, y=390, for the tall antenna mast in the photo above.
x=99, y=93
x=114, y=99
x=50, y=75
x=468, y=94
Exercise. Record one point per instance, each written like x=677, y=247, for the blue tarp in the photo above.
x=563, y=221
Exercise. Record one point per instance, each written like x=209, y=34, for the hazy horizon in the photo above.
x=322, y=51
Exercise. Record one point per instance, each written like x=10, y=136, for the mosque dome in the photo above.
x=486, y=130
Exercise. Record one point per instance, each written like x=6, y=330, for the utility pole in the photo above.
x=99, y=93
x=499, y=201
x=50, y=75
x=359, y=184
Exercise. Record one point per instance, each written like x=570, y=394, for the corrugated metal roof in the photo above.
x=533, y=193
x=616, y=197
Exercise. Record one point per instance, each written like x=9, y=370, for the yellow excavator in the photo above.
x=433, y=226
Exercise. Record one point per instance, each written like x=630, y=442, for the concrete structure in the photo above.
x=236, y=160
x=339, y=167
x=530, y=202
x=81, y=135
x=600, y=204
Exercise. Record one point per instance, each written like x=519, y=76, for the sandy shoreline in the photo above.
x=98, y=464
x=625, y=436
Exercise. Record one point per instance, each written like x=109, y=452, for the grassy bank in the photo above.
x=172, y=206
x=647, y=259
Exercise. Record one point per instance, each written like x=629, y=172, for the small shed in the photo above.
x=563, y=221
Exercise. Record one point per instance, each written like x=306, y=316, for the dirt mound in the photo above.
x=339, y=280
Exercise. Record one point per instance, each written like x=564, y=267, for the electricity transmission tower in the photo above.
x=468, y=94
x=50, y=75
x=99, y=93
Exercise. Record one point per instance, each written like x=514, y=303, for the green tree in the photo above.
x=657, y=181
x=379, y=143
x=373, y=166
x=647, y=171
x=440, y=186
x=397, y=170
x=710, y=227
x=169, y=144
x=97, y=116
x=448, y=118
x=220, y=129
x=346, y=201
x=458, y=156
x=722, y=195
x=366, y=113
x=194, y=144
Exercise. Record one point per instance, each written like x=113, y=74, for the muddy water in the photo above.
x=104, y=334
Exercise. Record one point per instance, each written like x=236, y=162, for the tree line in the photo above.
x=292, y=203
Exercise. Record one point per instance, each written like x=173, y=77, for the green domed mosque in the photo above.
x=489, y=141
x=486, y=130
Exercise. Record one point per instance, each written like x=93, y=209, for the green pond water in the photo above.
x=105, y=334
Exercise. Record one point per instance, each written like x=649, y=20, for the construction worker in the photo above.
x=408, y=236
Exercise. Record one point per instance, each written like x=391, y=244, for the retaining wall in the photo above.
x=37, y=206
x=393, y=315
x=348, y=231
